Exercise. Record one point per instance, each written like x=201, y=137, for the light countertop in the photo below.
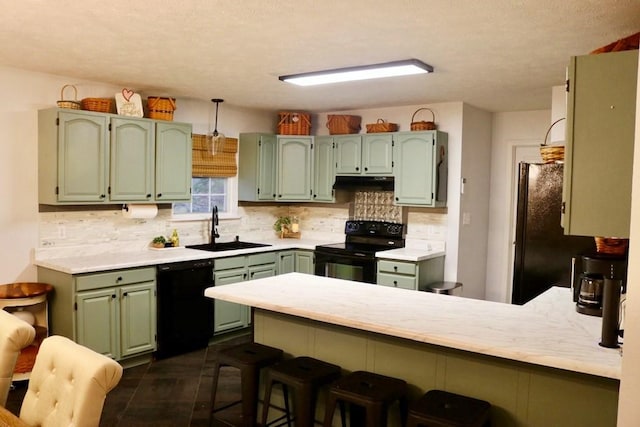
x=546, y=331
x=69, y=261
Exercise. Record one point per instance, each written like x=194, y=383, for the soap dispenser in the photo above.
x=175, y=239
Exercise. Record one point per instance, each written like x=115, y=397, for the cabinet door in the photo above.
x=229, y=315
x=377, y=154
x=323, y=171
x=348, y=154
x=138, y=318
x=262, y=271
x=97, y=321
x=173, y=162
x=267, y=152
x=295, y=168
x=82, y=157
x=599, y=148
x=304, y=262
x=132, y=160
x=286, y=262
x=420, y=168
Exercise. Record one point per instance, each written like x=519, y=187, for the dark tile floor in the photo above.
x=173, y=392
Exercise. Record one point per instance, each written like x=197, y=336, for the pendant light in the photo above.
x=217, y=139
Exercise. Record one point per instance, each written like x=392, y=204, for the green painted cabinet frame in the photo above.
x=600, y=134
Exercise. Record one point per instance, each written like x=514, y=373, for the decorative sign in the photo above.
x=129, y=103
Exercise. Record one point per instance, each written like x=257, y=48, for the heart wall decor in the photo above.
x=127, y=94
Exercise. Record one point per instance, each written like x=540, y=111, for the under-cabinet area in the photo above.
x=87, y=157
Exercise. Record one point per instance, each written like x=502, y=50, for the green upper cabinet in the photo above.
x=377, y=154
x=295, y=168
x=86, y=157
x=257, y=167
x=173, y=162
x=348, y=154
x=75, y=169
x=323, y=170
x=420, y=168
x=601, y=107
x=132, y=160
x=369, y=154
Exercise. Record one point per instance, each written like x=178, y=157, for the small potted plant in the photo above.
x=282, y=225
x=158, y=242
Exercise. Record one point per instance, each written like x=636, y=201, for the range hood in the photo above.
x=382, y=183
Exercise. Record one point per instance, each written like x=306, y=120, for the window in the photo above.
x=205, y=193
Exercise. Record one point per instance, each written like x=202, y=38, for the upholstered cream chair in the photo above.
x=15, y=334
x=68, y=385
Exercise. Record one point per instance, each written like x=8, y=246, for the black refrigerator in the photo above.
x=543, y=254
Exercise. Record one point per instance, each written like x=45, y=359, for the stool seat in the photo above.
x=373, y=392
x=305, y=375
x=249, y=358
x=438, y=408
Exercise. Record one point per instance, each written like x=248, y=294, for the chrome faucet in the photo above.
x=214, y=225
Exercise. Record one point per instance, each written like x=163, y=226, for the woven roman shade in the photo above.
x=220, y=165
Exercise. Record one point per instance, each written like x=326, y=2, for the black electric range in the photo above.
x=354, y=259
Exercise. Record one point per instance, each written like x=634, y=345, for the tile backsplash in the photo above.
x=376, y=206
x=91, y=232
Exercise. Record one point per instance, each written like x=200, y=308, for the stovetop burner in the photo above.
x=365, y=238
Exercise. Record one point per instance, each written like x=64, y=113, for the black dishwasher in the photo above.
x=185, y=315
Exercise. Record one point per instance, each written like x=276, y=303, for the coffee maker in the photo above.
x=598, y=290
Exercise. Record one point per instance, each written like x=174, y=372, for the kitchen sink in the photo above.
x=226, y=246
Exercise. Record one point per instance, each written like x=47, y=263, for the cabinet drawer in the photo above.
x=262, y=258
x=226, y=263
x=397, y=281
x=397, y=267
x=114, y=278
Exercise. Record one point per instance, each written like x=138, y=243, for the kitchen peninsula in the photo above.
x=538, y=364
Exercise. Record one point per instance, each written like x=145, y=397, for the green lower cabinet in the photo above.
x=410, y=275
x=305, y=262
x=113, y=312
x=229, y=316
x=299, y=261
x=97, y=320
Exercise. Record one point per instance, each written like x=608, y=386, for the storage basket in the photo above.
x=342, y=124
x=381, y=126
x=161, y=108
x=422, y=125
x=293, y=123
x=552, y=153
x=611, y=245
x=63, y=103
x=102, y=105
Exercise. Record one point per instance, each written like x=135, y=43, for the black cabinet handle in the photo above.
x=159, y=195
x=113, y=296
x=366, y=169
x=357, y=169
x=395, y=268
x=148, y=196
x=102, y=196
x=119, y=279
x=395, y=283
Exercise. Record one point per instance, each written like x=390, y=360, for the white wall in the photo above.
x=509, y=131
x=473, y=215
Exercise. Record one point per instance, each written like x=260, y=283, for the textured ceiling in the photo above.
x=500, y=55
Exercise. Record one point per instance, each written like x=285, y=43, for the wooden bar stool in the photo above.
x=439, y=408
x=370, y=392
x=305, y=376
x=249, y=358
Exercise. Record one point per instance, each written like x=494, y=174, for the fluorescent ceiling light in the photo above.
x=365, y=72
